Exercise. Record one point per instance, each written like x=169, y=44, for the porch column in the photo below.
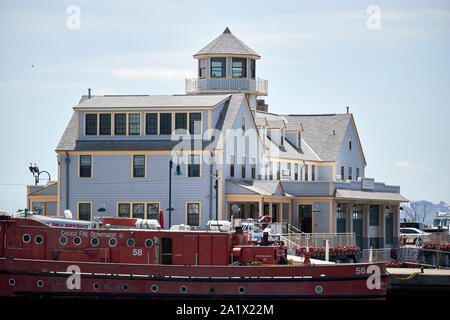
x=261, y=206
x=270, y=208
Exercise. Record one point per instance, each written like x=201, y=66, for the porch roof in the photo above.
x=261, y=187
x=369, y=195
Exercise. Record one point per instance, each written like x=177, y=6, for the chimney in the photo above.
x=89, y=93
x=348, y=109
x=261, y=105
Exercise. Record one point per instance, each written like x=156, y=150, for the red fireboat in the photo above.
x=134, y=258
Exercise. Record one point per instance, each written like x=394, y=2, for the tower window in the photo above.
x=239, y=67
x=202, y=68
x=252, y=68
x=218, y=67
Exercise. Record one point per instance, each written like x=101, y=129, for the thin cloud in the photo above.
x=153, y=74
x=403, y=164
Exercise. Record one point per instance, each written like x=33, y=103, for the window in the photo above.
x=244, y=164
x=85, y=166
x=165, y=123
x=289, y=172
x=243, y=126
x=218, y=67
x=282, y=138
x=138, y=166
x=278, y=171
x=151, y=123
x=299, y=139
x=120, y=124
x=357, y=173
x=193, y=214
x=253, y=168
x=306, y=172
x=194, y=166
x=124, y=210
x=181, y=122
x=105, y=124
x=91, y=124
x=138, y=210
x=341, y=210
x=349, y=173
x=374, y=215
x=84, y=211
x=271, y=168
x=232, y=166
x=252, y=68
x=296, y=172
x=195, y=123
x=153, y=211
x=134, y=121
x=313, y=173
x=239, y=67
x=350, y=145
x=202, y=72
x=342, y=173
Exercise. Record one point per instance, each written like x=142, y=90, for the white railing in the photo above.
x=316, y=240
x=258, y=86
x=191, y=85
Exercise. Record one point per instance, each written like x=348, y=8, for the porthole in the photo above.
x=183, y=289
x=40, y=283
x=112, y=242
x=94, y=242
x=130, y=243
x=318, y=289
x=149, y=243
x=26, y=238
x=125, y=287
x=38, y=239
x=241, y=290
x=12, y=282
x=154, y=288
x=63, y=240
x=77, y=241
x=96, y=285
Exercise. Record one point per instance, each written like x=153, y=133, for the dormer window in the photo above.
x=239, y=67
x=218, y=68
x=282, y=138
x=202, y=70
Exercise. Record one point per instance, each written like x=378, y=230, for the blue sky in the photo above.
x=318, y=56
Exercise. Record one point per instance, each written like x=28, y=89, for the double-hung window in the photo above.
x=239, y=67
x=151, y=123
x=278, y=171
x=139, y=166
x=306, y=172
x=218, y=68
x=153, y=211
x=134, y=124
x=194, y=166
x=232, y=166
x=253, y=168
x=120, y=124
x=124, y=210
x=165, y=123
x=296, y=172
x=85, y=166
x=349, y=173
x=138, y=210
x=202, y=70
x=91, y=124
x=244, y=164
x=105, y=124
x=313, y=173
x=252, y=68
x=195, y=122
x=193, y=213
x=181, y=123
x=84, y=211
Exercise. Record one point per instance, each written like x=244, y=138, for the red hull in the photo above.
x=39, y=260
x=21, y=277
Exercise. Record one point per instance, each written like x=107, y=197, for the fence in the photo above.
x=316, y=240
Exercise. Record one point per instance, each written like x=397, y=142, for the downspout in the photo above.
x=67, y=161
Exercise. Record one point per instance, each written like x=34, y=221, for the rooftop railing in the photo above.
x=196, y=85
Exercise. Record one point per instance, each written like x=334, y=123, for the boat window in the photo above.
x=112, y=242
x=149, y=243
x=166, y=250
x=130, y=242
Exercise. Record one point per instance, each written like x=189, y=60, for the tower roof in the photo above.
x=227, y=44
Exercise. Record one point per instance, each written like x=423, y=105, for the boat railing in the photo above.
x=317, y=240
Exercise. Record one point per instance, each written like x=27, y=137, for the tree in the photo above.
x=418, y=211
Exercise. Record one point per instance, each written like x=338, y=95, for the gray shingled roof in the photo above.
x=136, y=145
x=227, y=43
x=69, y=138
x=288, y=151
x=318, y=132
x=262, y=187
x=150, y=101
x=369, y=195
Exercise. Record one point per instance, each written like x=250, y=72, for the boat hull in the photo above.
x=44, y=278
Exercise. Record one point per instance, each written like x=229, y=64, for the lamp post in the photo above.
x=177, y=173
x=36, y=173
x=216, y=186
